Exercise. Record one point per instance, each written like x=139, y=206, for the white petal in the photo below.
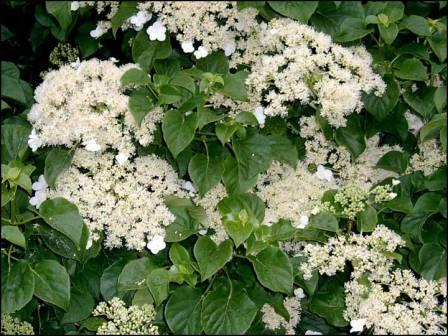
x=92, y=146
x=395, y=182
x=121, y=158
x=156, y=31
x=34, y=142
x=39, y=197
x=201, y=52
x=357, y=325
x=312, y=332
x=74, y=6
x=40, y=184
x=89, y=243
x=189, y=186
x=259, y=114
x=156, y=245
x=392, y=195
x=187, y=46
x=229, y=47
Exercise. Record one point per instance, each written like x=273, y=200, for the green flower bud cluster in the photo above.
x=13, y=326
x=352, y=200
x=63, y=53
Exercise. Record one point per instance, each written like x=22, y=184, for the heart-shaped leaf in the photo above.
x=210, y=257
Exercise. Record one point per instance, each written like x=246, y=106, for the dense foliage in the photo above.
x=227, y=168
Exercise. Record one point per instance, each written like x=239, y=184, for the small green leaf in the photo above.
x=61, y=11
x=210, y=257
x=273, y=269
x=351, y=137
x=421, y=101
x=432, y=129
x=216, y=63
x=432, y=259
x=52, y=283
x=380, y=107
x=324, y=221
x=80, y=307
x=17, y=286
x=352, y=29
x=410, y=69
x=394, y=161
x=438, y=44
x=367, y=219
x=158, y=284
x=416, y=24
x=225, y=132
x=205, y=172
x=63, y=216
x=140, y=104
x=178, y=130
x=14, y=235
x=301, y=11
x=109, y=279
x=133, y=275
x=234, y=85
x=440, y=98
x=126, y=10
x=388, y=33
x=56, y=162
x=135, y=77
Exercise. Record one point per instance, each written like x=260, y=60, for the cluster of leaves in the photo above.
x=52, y=280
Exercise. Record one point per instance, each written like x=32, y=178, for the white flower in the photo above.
x=187, y=46
x=76, y=64
x=34, y=141
x=156, y=31
x=202, y=232
x=315, y=210
x=259, y=114
x=312, y=332
x=138, y=20
x=156, y=244
x=357, y=325
x=323, y=173
x=188, y=186
x=97, y=32
x=39, y=197
x=40, y=184
x=392, y=195
x=201, y=52
x=74, y=6
x=229, y=47
x=414, y=122
x=113, y=60
x=298, y=293
x=121, y=158
x=92, y=146
x=303, y=222
x=395, y=182
x=89, y=243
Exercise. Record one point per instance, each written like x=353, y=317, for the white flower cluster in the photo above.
x=361, y=171
x=126, y=202
x=430, y=157
x=13, y=326
x=299, y=64
x=274, y=321
x=397, y=303
x=84, y=104
x=291, y=193
x=366, y=253
x=135, y=320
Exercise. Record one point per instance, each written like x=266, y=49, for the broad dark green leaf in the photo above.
x=380, y=107
x=13, y=234
x=80, y=307
x=134, y=273
x=56, y=162
x=274, y=270
x=367, y=219
x=17, y=286
x=109, y=279
x=63, y=216
x=205, y=172
x=135, y=77
x=432, y=259
x=178, y=130
x=14, y=139
x=416, y=24
x=324, y=221
x=126, y=10
x=298, y=10
x=52, y=283
x=158, y=284
x=352, y=29
x=140, y=104
x=351, y=137
x=234, y=85
x=394, y=161
x=216, y=63
x=421, y=101
x=211, y=257
x=61, y=11
x=410, y=69
x=438, y=44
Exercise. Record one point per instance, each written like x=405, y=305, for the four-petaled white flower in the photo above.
x=97, y=32
x=34, y=141
x=187, y=46
x=392, y=195
x=156, y=32
x=298, y=293
x=323, y=173
x=202, y=232
x=312, y=332
x=259, y=114
x=121, y=158
x=156, y=244
x=395, y=182
x=357, y=325
x=92, y=145
x=138, y=20
x=74, y=6
x=229, y=47
x=201, y=52
x=40, y=195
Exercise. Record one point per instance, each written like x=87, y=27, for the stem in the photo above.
x=6, y=220
x=28, y=220
x=241, y=256
x=209, y=285
x=13, y=211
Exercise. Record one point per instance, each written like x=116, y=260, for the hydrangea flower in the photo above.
x=259, y=114
x=121, y=158
x=201, y=52
x=156, y=244
x=34, y=141
x=187, y=46
x=138, y=20
x=156, y=32
x=92, y=145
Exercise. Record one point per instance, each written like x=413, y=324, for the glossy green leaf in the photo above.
x=432, y=259
x=324, y=221
x=17, y=286
x=134, y=273
x=205, y=172
x=56, y=162
x=211, y=257
x=178, y=130
x=301, y=11
x=158, y=284
x=61, y=11
x=410, y=69
x=394, y=161
x=14, y=235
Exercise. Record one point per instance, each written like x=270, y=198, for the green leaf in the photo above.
x=301, y=11
x=421, y=101
x=134, y=273
x=283, y=149
x=14, y=235
x=352, y=29
x=205, y=172
x=394, y=10
x=380, y=107
x=416, y=24
x=273, y=269
x=142, y=297
x=93, y=323
x=225, y=132
x=351, y=136
x=135, y=77
x=63, y=216
x=410, y=69
x=438, y=44
x=61, y=11
x=440, y=98
x=394, y=161
x=183, y=311
x=388, y=33
x=234, y=177
x=14, y=139
x=140, y=104
x=367, y=219
x=52, y=283
x=329, y=302
x=234, y=85
x=80, y=307
x=227, y=311
x=17, y=286
x=158, y=284
x=432, y=129
x=432, y=259
x=282, y=230
x=216, y=62
x=57, y=161
x=145, y=52
x=126, y=10
x=178, y=130
x=188, y=218
x=211, y=257
x=87, y=44
x=109, y=279
x=324, y=221
x=400, y=204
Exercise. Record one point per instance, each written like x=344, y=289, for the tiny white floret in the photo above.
x=392, y=195
x=395, y=182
